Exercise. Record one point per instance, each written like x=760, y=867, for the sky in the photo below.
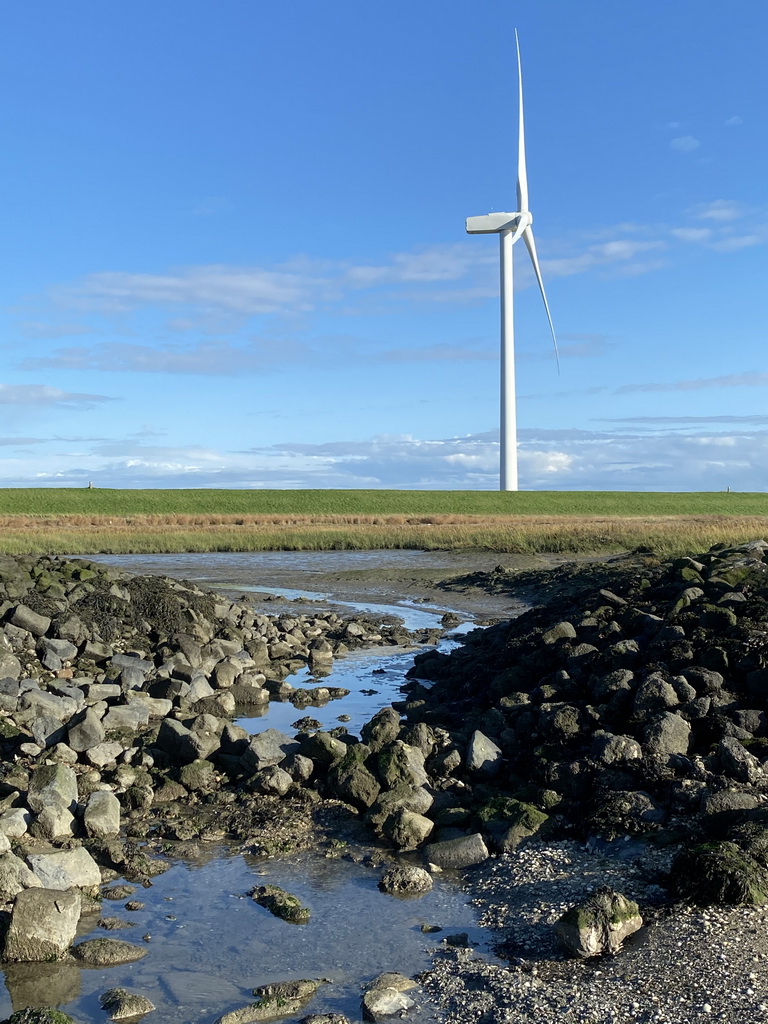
x=235, y=252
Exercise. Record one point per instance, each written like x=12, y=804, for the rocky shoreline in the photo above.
x=613, y=735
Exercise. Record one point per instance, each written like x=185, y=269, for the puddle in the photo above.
x=211, y=944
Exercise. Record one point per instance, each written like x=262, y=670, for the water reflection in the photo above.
x=42, y=984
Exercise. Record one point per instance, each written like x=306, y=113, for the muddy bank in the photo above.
x=480, y=585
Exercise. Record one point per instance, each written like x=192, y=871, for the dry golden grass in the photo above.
x=506, y=534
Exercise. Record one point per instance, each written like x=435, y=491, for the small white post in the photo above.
x=508, y=417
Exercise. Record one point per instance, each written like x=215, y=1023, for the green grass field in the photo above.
x=46, y=501
x=49, y=520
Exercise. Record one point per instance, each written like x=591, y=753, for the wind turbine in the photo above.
x=510, y=227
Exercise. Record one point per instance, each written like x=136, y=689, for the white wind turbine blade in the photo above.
x=522, y=175
x=531, y=246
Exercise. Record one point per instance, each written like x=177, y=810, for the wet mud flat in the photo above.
x=398, y=579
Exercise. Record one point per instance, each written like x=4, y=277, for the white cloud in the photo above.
x=257, y=355
x=733, y=380
x=733, y=121
x=43, y=395
x=210, y=358
x=545, y=463
x=692, y=234
x=685, y=143
x=37, y=329
x=686, y=420
x=720, y=209
x=615, y=255
x=625, y=459
x=734, y=243
x=236, y=289
x=439, y=263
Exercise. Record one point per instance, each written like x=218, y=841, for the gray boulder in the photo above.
x=608, y=748
x=86, y=731
x=10, y=666
x=15, y=876
x=120, y=1004
x=104, y=754
x=406, y=880
x=400, y=764
x=654, y=695
x=15, y=821
x=406, y=829
x=108, y=952
x=385, y=997
x=666, y=735
x=130, y=717
x=187, y=744
x=737, y=761
x=267, y=748
x=418, y=800
x=350, y=780
x=272, y=780
x=483, y=756
x=34, y=623
x=382, y=729
x=102, y=815
x=52, y=784
x=43, y=925
x=560, y=631
x=322, y=748
x=457, y=853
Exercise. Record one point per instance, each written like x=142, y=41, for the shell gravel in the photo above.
x=686, y=966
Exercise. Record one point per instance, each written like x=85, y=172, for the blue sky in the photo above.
x=236, y=253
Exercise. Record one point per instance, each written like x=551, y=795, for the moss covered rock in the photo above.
x=719, y=872
x=281, y=903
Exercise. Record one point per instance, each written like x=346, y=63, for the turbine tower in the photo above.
x=510, y=227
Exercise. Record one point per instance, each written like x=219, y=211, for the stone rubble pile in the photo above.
x=117, y=700
x=635, y=709
x=625, y=711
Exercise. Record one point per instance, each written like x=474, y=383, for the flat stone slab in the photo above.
x=65, y=869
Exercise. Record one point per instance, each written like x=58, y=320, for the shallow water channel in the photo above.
x=208, y=943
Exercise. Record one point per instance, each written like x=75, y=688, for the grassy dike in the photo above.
x=53, y=520
x=53, y=501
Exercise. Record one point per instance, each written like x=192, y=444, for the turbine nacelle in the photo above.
x=494, y=223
